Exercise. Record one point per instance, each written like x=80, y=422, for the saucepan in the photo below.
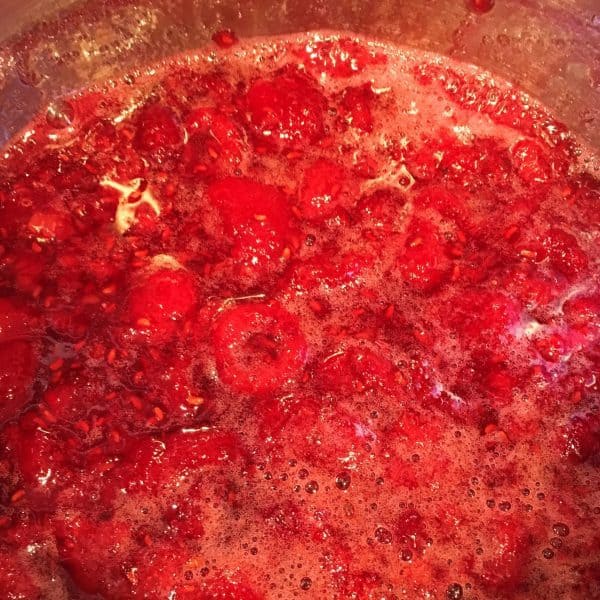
x=51, y=48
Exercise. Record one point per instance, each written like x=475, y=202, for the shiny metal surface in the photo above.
x=549, y=47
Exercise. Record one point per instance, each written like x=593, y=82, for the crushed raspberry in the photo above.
x=17, y=368
x=94, y=553
x=379, y=212
x=410, y=531
x=580, y=438
x=43, y=459
x=299, y=317
x=15, y=579
x=356, y=369
x=49, y=226
x=583, y=312
x=161, y=301
x=484, y=316
x=184, y=519
x=502, y=570
x=356, y=106
x=324, y=188
x=161, y=462
x=15, y=323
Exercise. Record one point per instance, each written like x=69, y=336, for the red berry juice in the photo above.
x=307, y=317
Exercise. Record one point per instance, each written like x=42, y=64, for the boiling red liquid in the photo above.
x=301, y=318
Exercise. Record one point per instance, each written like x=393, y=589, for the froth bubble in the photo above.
x=305, y=583
x=560, y=529
x=454, y=591
x=383, y=535
x=342, y=481
x=312, y=487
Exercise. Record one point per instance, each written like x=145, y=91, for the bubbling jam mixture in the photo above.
x=309, y=317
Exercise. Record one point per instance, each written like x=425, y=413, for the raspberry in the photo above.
x=530, y=162
x=583, y=312
x=564, y=253
x=43, y=460
x=154, y=462
x=411, y=532
x=160, y=302
x=49, y=226
x=354, y=297
x=329, y=272
x=552, y=347
x=483, y=317
x=256, y=219
x=329, y=437
x=449, y=204
x=216, y=144
x=482, y=6
x=64, y=401
x=286, y=112
x=580, y=438
x=185, y=518
x=15, y=323
x=423, y=262
x=157, y=129
x=380, y=211
x=259, y=347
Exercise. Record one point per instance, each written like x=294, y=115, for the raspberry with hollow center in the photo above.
x=258, y=347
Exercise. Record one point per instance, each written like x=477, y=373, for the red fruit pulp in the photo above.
x=312, y=317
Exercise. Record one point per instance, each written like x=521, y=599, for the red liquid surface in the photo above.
x=302, y=318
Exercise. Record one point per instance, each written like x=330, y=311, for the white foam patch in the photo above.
x=125, y=215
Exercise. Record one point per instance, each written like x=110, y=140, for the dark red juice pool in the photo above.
x=309, y=317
